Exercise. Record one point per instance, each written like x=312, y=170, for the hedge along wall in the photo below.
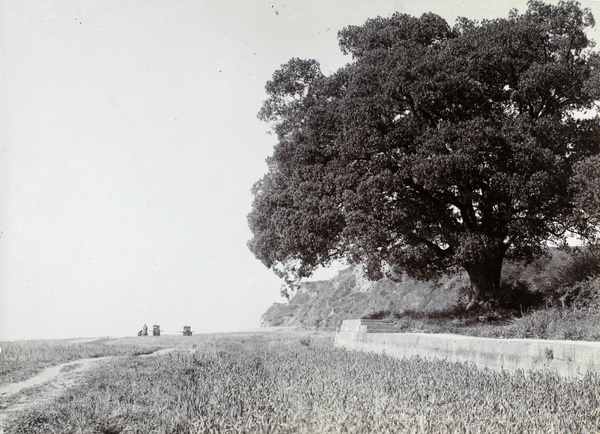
x=571, y=359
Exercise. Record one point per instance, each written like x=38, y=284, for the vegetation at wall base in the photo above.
x=552, y=324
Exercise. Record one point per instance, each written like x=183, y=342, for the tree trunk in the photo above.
x=485, y=281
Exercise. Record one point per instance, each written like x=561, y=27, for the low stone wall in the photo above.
x=571, y=359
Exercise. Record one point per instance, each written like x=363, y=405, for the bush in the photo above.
x=512, y=298
x=577, y=283
x=583, y=264
x=585, y=294
x=382, y=314
x=519, y=297
x=556, y=323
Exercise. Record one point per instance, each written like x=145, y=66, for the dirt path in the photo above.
x=52, y=382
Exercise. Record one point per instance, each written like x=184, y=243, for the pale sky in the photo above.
x=129, y=144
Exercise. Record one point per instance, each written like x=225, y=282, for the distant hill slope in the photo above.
x=325, y=304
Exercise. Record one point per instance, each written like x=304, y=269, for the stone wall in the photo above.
x=571, y=359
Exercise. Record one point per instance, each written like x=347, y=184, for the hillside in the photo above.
x=325, y=304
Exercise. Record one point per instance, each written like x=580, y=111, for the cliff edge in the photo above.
x=325, y=304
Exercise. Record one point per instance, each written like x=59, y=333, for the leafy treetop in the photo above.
x=436, y=148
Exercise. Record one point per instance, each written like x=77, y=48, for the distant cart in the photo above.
x=156, y=330
x=187, y=331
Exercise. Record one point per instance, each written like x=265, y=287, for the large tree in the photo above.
x=435, y=149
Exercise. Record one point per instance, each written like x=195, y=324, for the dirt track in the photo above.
x=52, y=382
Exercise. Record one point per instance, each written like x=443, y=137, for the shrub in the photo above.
x=585, y=294
x=557, y=323
x=519, y=297
x=583, y=264
x=576, y=284
x=512, y=297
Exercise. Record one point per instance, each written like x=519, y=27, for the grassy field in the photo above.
x=296, y=381
x=20, y=360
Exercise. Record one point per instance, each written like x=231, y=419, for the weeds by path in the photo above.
x=51, y=383
x=21, y=360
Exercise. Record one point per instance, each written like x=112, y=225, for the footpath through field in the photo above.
x=52, y=382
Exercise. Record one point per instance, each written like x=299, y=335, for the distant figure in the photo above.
x=144, y=331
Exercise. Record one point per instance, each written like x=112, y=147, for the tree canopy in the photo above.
x=434, y=149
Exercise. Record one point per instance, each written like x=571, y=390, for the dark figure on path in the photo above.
x=143, y=331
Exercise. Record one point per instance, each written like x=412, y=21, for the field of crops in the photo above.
x=20, y=360
x=298, y=382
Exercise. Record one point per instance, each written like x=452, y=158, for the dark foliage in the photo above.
x=578, y=282
x=435, y=149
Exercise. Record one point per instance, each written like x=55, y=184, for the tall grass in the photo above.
x=20, y=360
x=282, y=383
x=554, y=298
x=552, y=323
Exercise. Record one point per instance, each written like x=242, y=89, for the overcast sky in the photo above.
x=129, y=144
